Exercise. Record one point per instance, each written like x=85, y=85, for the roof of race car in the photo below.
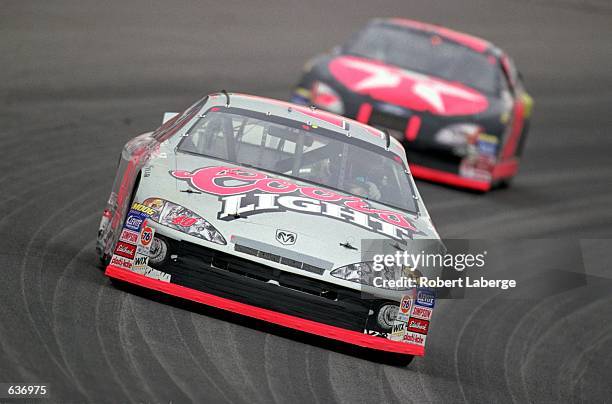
x=309, y=116
x=472, y=42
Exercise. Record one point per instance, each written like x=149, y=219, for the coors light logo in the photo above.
x=245, y=192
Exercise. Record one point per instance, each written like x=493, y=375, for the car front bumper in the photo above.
x=230, y=283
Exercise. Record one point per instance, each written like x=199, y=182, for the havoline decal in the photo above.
x=245, y=192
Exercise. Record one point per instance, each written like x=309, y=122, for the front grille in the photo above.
x=388, y=121
x=248, y=282
x=277, y=258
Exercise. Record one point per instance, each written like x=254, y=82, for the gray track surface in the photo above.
x=79, y=78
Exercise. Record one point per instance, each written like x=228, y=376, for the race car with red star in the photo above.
x=456, y=102
x=270, y=209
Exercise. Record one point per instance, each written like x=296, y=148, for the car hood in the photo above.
x=248, y=208
x=408, y=89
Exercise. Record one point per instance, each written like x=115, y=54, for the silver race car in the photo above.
x=270, y=209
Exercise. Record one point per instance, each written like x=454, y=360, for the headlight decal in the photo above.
x=365, y=274
x=325, y=97
x=458, y=135
x=180, y=218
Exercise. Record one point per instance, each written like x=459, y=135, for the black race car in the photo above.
x=456, y=102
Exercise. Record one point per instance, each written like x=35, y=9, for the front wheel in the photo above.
x=394, y=359
x=103, y=258
x=103, y=261
x=505, y=183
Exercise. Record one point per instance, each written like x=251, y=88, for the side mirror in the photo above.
x=168, y=116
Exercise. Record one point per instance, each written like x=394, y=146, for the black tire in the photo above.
x=400, y=360
x=123, y=285
x=523, y=140
x=505, y=183
x=103, y=261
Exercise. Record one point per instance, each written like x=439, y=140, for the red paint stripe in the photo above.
x=517, y=128
x=444, y=177
x=285, y=320
x=505, y=169
x=412, y=128
x=364, y=113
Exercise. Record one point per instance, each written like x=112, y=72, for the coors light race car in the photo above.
x=456, y=102
x=259, y=207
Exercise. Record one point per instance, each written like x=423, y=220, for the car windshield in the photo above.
x=303, y=152
x=426, y=53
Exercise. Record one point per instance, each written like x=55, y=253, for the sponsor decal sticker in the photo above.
x=141, y=259
x=418, y=325
x=125, y=250
x=478, y=167
x=424, y=313
x=128, y=236
x=487, y=149
x=139, y=207
x=244, y=192
x=134, y=220
x=146, y=236
x=140, y=263
x=121, y=262
x=404, y=308
x=398, y=331
x=425, y=298
x=375, y=333
x=157, y=204
x=184, y=221
x=487, y=144
x=414, y=338
x=156, y=274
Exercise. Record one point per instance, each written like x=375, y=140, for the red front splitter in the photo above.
x=503, y=170
x=285, y=320
x=443, y=177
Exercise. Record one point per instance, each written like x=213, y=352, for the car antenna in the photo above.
x=190, y=191
x=348, y=245
x=227, y=98
x=387, y=139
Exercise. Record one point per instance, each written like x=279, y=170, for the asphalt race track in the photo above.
x=79, y=78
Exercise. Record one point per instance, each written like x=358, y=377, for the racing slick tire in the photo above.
x=399, y=360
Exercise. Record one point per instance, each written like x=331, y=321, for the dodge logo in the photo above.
x=285, y=237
